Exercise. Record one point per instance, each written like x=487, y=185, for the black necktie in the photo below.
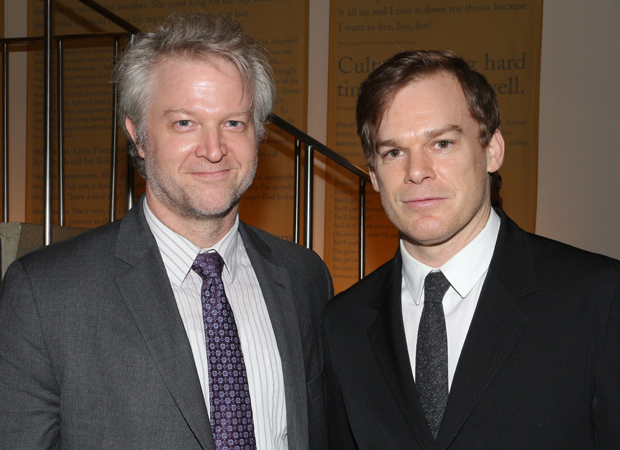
x=431, y=364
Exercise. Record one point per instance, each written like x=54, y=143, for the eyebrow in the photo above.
x=386, y=143
x=429, y=134
x=173, y=111
x=191, y=113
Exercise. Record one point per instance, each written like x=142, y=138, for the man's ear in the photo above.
x=495, y=152
x=131, y=129
x=373, y=179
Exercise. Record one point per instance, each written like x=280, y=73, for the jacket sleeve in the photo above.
x=606, y=403
x=339, y=430
x=29, y=390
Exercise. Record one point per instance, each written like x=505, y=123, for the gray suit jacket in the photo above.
x=93, y=352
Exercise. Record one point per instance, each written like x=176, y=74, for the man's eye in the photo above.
x=443, y=144
x=234, y=123
x=184, y=123
x=394, y=153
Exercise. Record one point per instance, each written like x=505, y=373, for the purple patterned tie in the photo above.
x=231, y=409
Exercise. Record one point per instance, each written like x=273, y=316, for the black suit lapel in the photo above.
x=146, y=291
x=387, y=337
x=497, y=324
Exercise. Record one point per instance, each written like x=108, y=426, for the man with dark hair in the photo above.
x=177, y=327
x=476, y=335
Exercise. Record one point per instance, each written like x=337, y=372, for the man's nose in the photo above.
x=212, y=146
x=420, y=166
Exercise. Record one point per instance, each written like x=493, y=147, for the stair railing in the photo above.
x=309, y=144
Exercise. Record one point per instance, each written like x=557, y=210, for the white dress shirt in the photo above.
x=466, y=272
x=258, y=342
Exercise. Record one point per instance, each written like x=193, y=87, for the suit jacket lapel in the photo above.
x=496, y=326
x=387, y=336
x=276, y=287
x=147, y=293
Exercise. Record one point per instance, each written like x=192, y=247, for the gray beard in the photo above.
x=183, y=206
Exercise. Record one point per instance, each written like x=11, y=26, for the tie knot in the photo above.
x=435, y=286
x=208, y=265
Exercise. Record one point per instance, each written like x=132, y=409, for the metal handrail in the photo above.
x=110, y=16
x=47, y=122
x=114, y=138
x=5, y=132
x=322, y=149
x=61, y=130
x=311, y=145
x=6, y=42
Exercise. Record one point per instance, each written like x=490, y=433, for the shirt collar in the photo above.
x=463, y=270
x=179, y=253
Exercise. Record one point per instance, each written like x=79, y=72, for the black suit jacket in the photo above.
x=94, y=354
x=540, y=367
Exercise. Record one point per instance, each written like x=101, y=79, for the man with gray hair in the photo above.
x=177, y=327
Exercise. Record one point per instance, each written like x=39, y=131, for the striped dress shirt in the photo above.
x=258, y=342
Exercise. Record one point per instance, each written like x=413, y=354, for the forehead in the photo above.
x=438, y=92
x=178, y=75
x=425, y=104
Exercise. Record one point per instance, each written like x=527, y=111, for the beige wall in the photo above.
x=317, y=105
x=579, y=146
x=579, y=118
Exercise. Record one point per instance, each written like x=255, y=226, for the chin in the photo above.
x=217, y=212
x=426, y=241
x=427, y=236
x=205, y=211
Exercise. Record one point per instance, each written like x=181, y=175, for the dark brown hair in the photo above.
x=378, y=91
